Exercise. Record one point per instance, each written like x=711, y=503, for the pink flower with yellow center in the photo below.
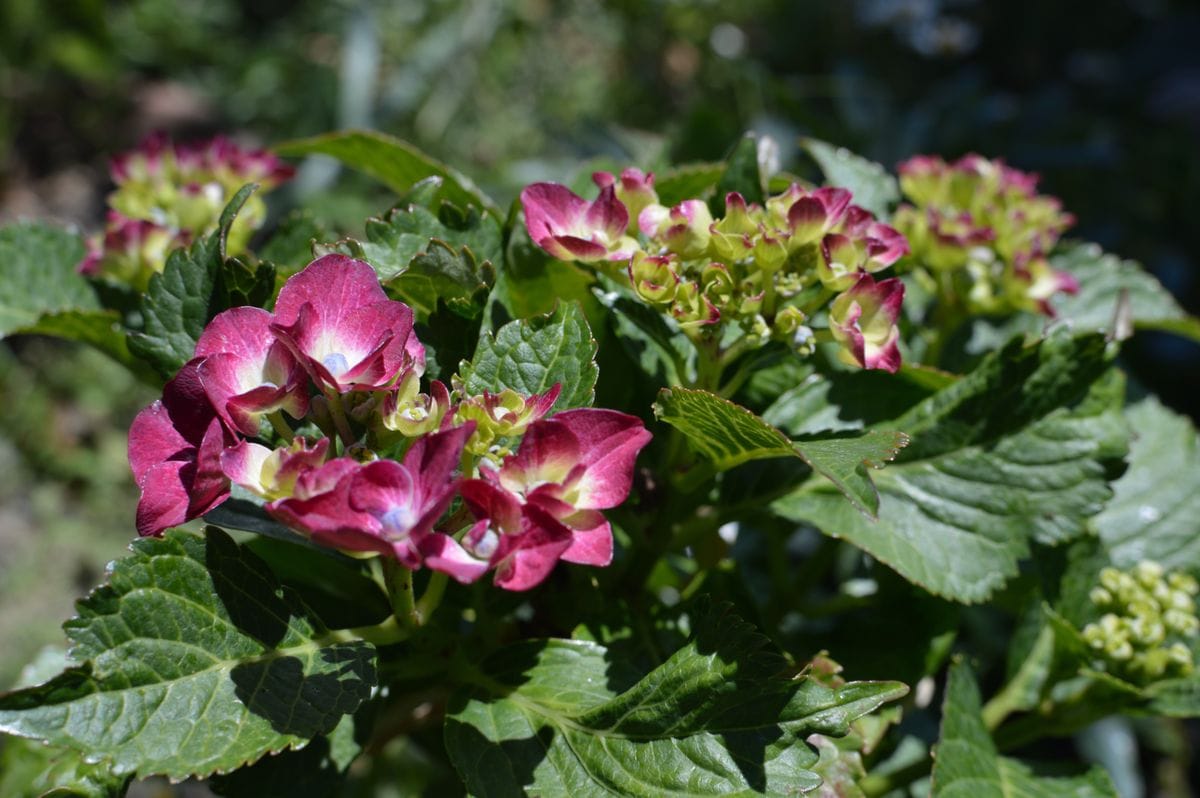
x=543, y=503
x=863, y=321
x=338, y=322
x=571, y=228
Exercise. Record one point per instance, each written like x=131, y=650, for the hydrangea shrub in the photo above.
x=706, y=483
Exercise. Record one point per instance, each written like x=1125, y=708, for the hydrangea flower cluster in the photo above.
x=765, y=269
x=982, y=225
x=1149, y=614
x=167, y=195
x=382, y=473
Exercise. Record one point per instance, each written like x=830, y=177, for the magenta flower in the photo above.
x=567, y=469
x=634, y=189
x=816, y=213
x=384, y=506
x=337, y=321
x=684, y=229
x=571, y=228
x=863, y=320
x=175, y=448
x=246, y=371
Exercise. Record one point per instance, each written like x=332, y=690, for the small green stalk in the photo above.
x=280, y=425
x=399, y=583
x=432, y=597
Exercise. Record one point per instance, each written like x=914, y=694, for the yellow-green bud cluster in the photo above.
x=1150, y=615
x=983, y=227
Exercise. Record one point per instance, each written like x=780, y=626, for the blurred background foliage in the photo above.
x=1102, y=97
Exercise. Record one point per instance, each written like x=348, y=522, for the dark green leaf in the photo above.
x=395, y=163
x=531, y=355
x=195, y=660
x=532, y=283
x=442, y=274
x=729, y=435
x=183, y=298
x=994, y=463
x=967, y=765
x=1102, y=279
x=872, y=186
x=722, y=716
x=291, y=245
x=316, y=771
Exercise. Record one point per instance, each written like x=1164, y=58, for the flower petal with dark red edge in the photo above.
x=336, y=319
x=175, y=447
x=246, y=371
x=863, y=320
x=570, y=228
x=272, y=473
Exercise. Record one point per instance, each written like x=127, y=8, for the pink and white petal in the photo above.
x=243, y=464
x=443, y=553
x=525, y=560
x=607, y=215
x=547, y=453
x=609, y=443
x=334, y=285
x=568, y=247
x=490, y=502
x=209, y=485
x=551, y=209
x=244, y=332
x=592, y=545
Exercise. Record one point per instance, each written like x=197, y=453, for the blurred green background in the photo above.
x=1102, y=98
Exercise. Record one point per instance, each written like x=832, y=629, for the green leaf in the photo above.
x=533, y=283
x=690, y=181
x=195, y=661
x=37, y=275
x=1153, y=512
x=182, y=299
x=652, y=340
x=1102, y=279
x=101, y=329
x=994, y=462
x=395, y=163
x=741, y=175
x=442, y=274
x=239, y=283
x=29, y=769
x=291, y=246
x=531, y=355
x=316, y=771
x=721, y=716
x=392, y=242
x=729, y=435
x=872, y=186
x=967, y=765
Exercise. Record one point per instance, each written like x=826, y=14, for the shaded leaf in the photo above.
x=729, y=435
x=994, y=463
x=1102, y=279
x=872, y=186
x=967, y=765
x=720, y=717
x=101, y=329
x=531, y=355
x=194, y=661
x=395, y=163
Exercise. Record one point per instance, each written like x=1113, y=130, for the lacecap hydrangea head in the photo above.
x=167, y=195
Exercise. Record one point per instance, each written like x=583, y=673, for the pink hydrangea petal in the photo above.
x=523, y=561
x=550, y=209
x=243, y=462
x=607, y=214
x=443, y=553
x=164, y=502
x=547, y=453
x=241, y=331
x=592, y=545
x=609, y=443
x=153, y=440
x=490, y=502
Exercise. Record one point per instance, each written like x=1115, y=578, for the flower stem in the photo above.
x=280, y=425
x=339, y=419
x=399, y=583
x=432, y=596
